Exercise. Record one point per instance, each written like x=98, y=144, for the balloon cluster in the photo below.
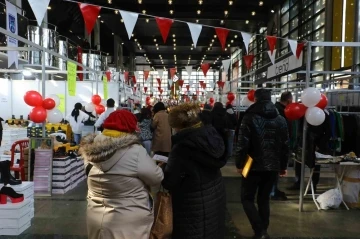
x=230, y=98
x=97, y=105
x=43, y=108
x=312, y=107
x=249, y=100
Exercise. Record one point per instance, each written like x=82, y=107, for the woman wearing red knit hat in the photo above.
x=119, y=202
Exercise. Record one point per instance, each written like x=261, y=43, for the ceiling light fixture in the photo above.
x=231, y=3
x=235, y=36
x=174, y=44
x=272, y=11
x=215, y=36
x=247, y=21
x=121, y=20
x=200, y=2
x=174, y=40
x=192, y=48
x=99, y=16
x=232, y=41
x=154, y=40
x=228, y=45
x=253, y=13
x=116, y=11
x=226, y=12
x=102, y=21
x=174, y=35
x=132, y=35
x=225, y=49
x=171, y=12
x=198, y=12
x=139, y=1
x=261, y=3
x=113, y=34
x=147, y=20
x=110, y=1
x=144, y=11
x=49, y=7
x=222, y=22
x=197, y=20
x=156, y=44
x=170, y=2
x=157, y=48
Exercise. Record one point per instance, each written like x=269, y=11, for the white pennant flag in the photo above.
x=39, y=8
x=161, y=73
x=227, y=86
x=272, y=56
x=223, y=76
x=122, y=77
x=170, y=82
x=226, y=65
x=12, y=26
x=211, y=85
x=136, y=76
x=195, y=30
x=246, y=38
x=189, y=70
x=293, y=46
x=130, y=19
x=191, y=82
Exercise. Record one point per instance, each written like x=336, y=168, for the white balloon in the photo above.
x=310, y=97
x=315, y=116
x=56, y=99
x=89, y=107
x=103, y=102
x=54, y=116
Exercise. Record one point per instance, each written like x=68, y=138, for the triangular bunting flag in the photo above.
x=159, y=81
x=205, y=68
x=170, y=82
x=299, y=49
x=134, y=79
x=172, y=72
x=226, y=65
x=136, y=74
x=223, y=76
x=271, y=43
x=134, y=89
x=191, y=82
x=246, y=39
x=90, y=14
x=39, y=7
x=222, y=34
x=195, y=30
x=187, y=87
x=108, y=75
x=181, y=83
x=248, y=61
x=227, y=86
x=145, y=89
x=189, y=70
x=211, y=85
x=272, y=56
x=126, y=77
x=293, y=46
x=146, y=75
x=130, y=19
x=164, y=25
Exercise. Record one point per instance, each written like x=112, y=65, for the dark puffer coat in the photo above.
x=264, y=136
x=194, y=180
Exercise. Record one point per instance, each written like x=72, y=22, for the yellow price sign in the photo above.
x=71, y=78
x=106, y=90
x=61, y=106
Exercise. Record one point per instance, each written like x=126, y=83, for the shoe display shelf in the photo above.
x=15, y=218
x=43, y=171
x=68, y=172
x=10, y=136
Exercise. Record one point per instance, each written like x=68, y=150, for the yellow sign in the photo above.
x=71, y=78
x=61, y=106
x=106, y=91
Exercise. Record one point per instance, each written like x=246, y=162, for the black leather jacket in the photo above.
x=263, y=136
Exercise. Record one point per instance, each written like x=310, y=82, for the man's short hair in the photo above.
x=110, y=103
x=262, y=94
x=286, y=96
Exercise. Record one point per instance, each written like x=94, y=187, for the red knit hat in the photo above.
x=121, y=120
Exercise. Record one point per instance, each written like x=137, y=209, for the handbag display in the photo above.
x=163, y=218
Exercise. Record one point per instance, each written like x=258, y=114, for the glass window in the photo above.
x=285, y=18
x=294, y=35
x=319, y=35
x=285, y=29
x=319, y=5
x=294, y=23
x=318, y=66
x=285, y=7
x=308, y=13
x=319, y=21
x=294, y=11
x=318, y=53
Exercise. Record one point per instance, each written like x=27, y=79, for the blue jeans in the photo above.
x=230, y=143
x=77, y=138
x=147, y=146
x=275, y=187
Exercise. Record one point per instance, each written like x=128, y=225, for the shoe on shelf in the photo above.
x=294, y=187
x=7, y=192
x=6, y=177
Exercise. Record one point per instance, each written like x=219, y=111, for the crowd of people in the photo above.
x=198, y=143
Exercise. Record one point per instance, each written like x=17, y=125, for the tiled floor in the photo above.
x=64, y=216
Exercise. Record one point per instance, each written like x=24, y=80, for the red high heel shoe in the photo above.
x=7, y=192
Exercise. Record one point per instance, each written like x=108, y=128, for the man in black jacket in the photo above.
x=264, y=137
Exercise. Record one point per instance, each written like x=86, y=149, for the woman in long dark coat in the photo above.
x=193, y=176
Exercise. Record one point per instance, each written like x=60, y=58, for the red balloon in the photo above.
x=33, y=98
x=231, y=97
x=48, y=104
x=295, y=111
x=99, y=109
x=211, y=100
x=38, y=114
x=148, y=98
x=96, y=99
x=323, y=102
x=251, y=95
x=228, y=103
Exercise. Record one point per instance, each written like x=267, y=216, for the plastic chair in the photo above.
x=22, y=144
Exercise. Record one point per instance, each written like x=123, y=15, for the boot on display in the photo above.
x=7, y=192
x=6, y=177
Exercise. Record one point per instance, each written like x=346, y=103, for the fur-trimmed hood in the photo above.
x=101, y=151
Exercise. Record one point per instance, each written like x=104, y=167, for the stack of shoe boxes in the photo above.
x=15, y=218
x=68, y=172
x=10, y=136
x=42, y=170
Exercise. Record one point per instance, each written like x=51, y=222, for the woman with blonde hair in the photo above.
x=119, y=201
x=193, y=176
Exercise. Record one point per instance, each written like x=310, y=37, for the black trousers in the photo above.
x=262, y=184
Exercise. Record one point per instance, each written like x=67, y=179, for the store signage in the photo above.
x=128, y=90
x=285, y=66
x=12, y=26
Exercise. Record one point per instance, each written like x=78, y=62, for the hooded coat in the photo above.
x=119, y=203
x=263, y=136
x=194, y=180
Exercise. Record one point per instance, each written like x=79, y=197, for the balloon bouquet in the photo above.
x=312, y=107
x=43, y=109
x=97, y=105
x=249, y=100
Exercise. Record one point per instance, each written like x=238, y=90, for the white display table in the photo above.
x=15, y=218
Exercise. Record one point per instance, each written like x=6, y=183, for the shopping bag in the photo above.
x=163, y=220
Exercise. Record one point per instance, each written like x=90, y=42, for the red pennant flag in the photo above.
x=126, y=76
x=205, y=68
x=188, y=87
x=133, y=79
x=172, y=72
x=134, y=89
x=222, y=34
x=151, y=95
x=159, y=81
x=201, y=82
x=164, y=25
x=145, y=89
x=146, y=75
x=272, y=43
x=159, y=88
x=161, y=91
x=299, y=49
x=108, y=75
x=202, y=93
x=181, y=83
x=221, y=84
x=90, y=14
x=248, y=61
x=79, y=59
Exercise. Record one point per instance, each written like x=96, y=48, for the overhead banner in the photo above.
x=105, y=86
x=12, y=26
x=189, y=70
x=285, y=66
x=71, y=78
x=195, y=30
